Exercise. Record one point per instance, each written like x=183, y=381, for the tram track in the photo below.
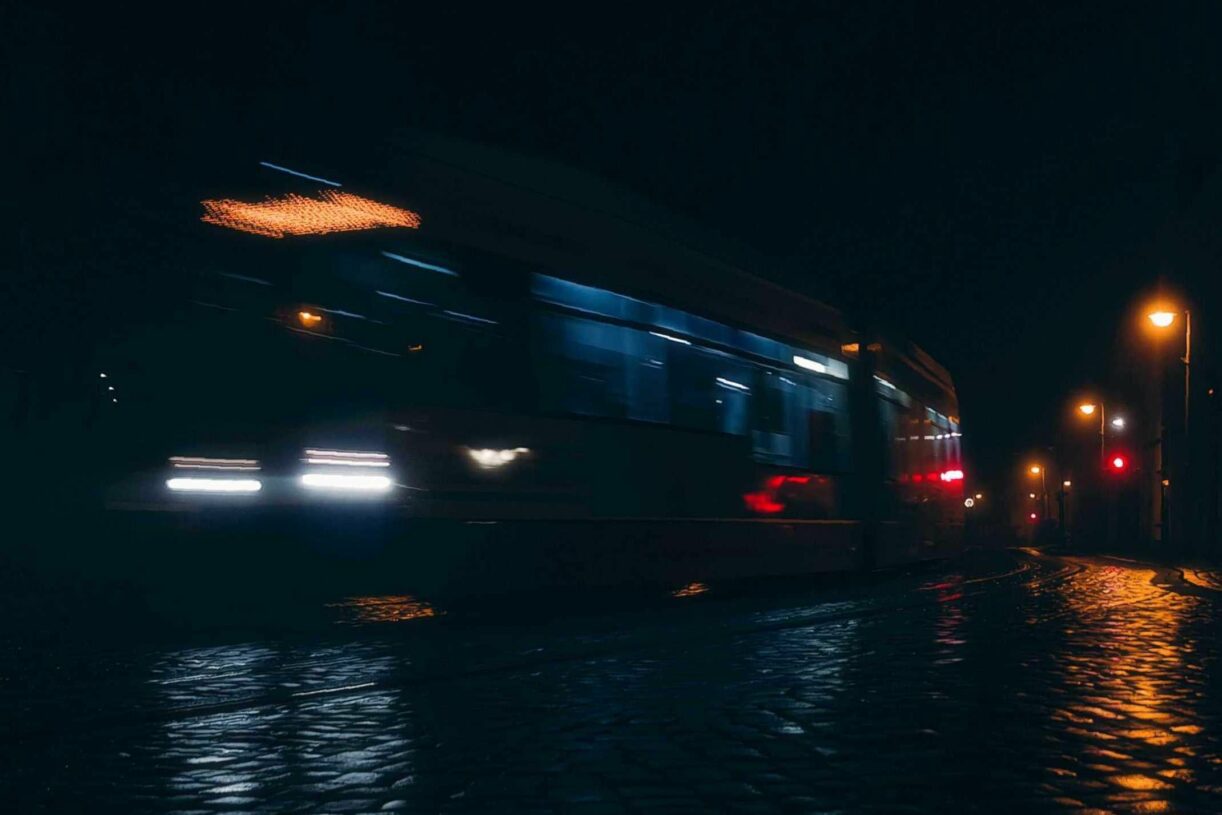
x=1035, y=570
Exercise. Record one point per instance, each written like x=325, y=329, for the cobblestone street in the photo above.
x=1007, y=681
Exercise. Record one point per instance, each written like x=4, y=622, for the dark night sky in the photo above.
x=998, y=180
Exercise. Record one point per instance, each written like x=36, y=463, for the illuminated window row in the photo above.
x=676, y=326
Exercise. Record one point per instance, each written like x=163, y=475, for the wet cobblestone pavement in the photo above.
x=1007, y=681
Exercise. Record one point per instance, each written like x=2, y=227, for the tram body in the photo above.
x=532, y=360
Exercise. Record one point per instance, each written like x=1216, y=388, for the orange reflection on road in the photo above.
x=690, y=590
x=386, y=609
x=1124, y=657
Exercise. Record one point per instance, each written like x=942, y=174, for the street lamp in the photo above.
x=1118, y=423
x=1165, y=318
x=1162, y=319
x=1090, y=409
x=1037, y=470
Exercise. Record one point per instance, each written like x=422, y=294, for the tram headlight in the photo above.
x=348, y=472
x=232, y=486
x=345, y=482
x=203, y=474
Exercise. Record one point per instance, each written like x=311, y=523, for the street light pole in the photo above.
x=1187, y=360
x=1044, y=488
x=1102, y=435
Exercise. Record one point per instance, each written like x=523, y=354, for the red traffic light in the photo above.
x=1119, y=464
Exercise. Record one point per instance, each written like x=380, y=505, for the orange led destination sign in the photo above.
x=292, y=214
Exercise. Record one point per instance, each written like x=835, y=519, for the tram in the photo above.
x=491, y=345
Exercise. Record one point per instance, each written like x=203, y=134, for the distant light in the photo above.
x=730, y=383
x=810, y=364
x=1066, y=483
x=492, y=459
x=101, y=376
x=1162, y=319
x=1166, y=482
x=1119, y=463
x=280, y=169
x=1033, y=516
x=1031, y=495
x=1035, y=469
x=969, y=502
x=1087, y=409
x=309, y=319
x=225, y=485
x=293, y=214
x=951, y=475
x=420, y=264
x=679, y=340
x=979, y=496
x=850, y=348
x=1118, y=423
x=353, y=483
x=110, y=387
x=116, y=401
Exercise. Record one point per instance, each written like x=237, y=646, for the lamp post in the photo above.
x=1036, y=469
x=1089, y=409
x=1118, y=423
x=1163, y=318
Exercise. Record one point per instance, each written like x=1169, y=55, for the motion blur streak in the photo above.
x=348, y=462
x=356, y=483
x=227, y=485
x=346, y=454
x=432, y=267
x=200, y=463
x=280, y=169
x=294, y=214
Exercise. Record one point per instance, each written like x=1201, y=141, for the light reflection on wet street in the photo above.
x=1007, y=681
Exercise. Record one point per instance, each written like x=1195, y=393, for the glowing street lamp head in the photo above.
x=1035, y=469
x=1087, y=408
x=1118, y=423
x=1161, y=319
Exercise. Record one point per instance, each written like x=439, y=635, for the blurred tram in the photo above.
x=541, y=358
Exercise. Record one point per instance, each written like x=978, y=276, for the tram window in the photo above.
x=600, y=369
x=802, y=422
